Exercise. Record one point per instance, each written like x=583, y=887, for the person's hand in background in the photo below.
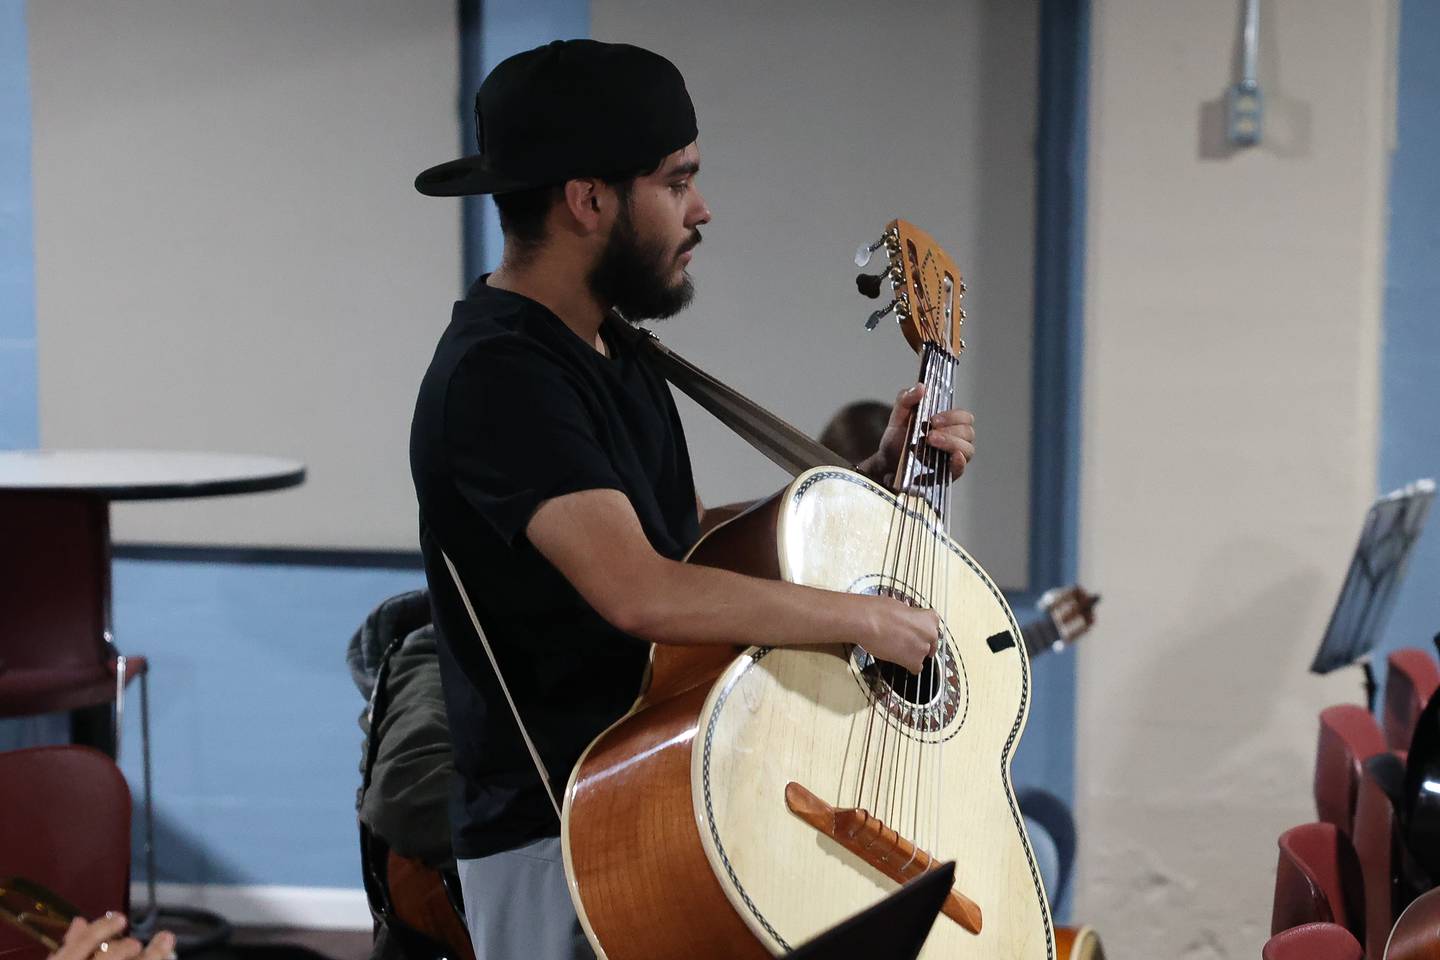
x=101, y=940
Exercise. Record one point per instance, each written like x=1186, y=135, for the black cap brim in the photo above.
x=466, y=177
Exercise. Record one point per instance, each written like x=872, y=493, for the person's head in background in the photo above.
x=854, y=432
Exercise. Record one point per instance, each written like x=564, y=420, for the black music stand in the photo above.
x=895, y=928
x=1392, y=525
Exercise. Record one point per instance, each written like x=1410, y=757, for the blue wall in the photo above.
x=500, y=29
x=18, y=414
x=1410, y=403
x=256, y=747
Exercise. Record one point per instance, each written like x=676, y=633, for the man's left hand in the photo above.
x=952, y=431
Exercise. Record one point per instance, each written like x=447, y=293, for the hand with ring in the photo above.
x=102, y=940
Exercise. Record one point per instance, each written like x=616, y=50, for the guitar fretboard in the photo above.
x=1040, y=636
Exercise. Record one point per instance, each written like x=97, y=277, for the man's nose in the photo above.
x=701, y=214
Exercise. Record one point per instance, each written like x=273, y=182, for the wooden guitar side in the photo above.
x=638, y=874
x=1078, y=943
x=1416, y=935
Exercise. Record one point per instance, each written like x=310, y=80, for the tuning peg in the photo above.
x=863, y=252
x=869, y=286
x=879, y=315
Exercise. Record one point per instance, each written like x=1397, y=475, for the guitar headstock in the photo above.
x=926, y=287
x=1071, y=609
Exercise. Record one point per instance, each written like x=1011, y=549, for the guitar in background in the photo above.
x=1069, y=613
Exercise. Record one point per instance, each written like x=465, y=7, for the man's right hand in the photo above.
x=895, y=631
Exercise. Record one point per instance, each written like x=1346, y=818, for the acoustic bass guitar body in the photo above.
x=755, y=797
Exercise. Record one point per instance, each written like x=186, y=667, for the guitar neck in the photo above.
x=1040, y=636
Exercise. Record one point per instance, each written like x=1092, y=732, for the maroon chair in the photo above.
x=1317, y=880
x=56, y=650
x=1313, y=941
x=1411, y=678
x=64, y=824
x=1348, y=737
x=1377, y=839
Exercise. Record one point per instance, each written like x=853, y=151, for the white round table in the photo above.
x=143, y=474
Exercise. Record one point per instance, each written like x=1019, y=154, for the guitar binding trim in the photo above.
x=755, y=658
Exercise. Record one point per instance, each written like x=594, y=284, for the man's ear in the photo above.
x=583, y=202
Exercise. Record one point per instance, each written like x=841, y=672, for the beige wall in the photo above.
x=229, y=254
x=821, y=120
x=1230, y=407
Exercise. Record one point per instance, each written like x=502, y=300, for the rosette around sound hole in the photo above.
x=927, y=703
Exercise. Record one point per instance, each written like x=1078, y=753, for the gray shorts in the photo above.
x=518, y=907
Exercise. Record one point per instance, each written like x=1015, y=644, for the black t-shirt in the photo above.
x=516, y=409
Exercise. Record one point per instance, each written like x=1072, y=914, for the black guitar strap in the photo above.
x=785, y=445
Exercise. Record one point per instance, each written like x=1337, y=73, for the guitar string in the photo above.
x=926, y=576
x=939, y=392
x=898, y=575
x=922, y=581
x=940, y=474
x=919, y=451
x=902, y=690
x=882, y=589
x=921, y=575
x=914, y=558
x=888, y=767
x=945, y=651
x=879, y=700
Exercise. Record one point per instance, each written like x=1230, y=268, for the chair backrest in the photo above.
x=1317, y=880
x=1411, y=677
x=1313, y=941
x=1376, y=837
x=1051, y=813
x=1349, y=736
x=54, y=574
x=65, y=826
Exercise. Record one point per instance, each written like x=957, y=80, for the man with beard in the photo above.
x=552, y=474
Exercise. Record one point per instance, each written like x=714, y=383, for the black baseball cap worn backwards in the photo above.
x=572, y=108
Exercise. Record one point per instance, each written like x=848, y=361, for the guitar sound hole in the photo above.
x=918, y=690
x=926, y=704
x=892, y=681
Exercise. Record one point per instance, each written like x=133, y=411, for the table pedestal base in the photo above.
x=194, y=929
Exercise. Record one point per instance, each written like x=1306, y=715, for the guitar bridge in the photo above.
x=881, y=847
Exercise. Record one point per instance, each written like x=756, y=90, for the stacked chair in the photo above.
x=1411, y=677
x=64, y=824
x=1341, y=882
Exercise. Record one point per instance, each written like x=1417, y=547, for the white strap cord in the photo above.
x=504, y=688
